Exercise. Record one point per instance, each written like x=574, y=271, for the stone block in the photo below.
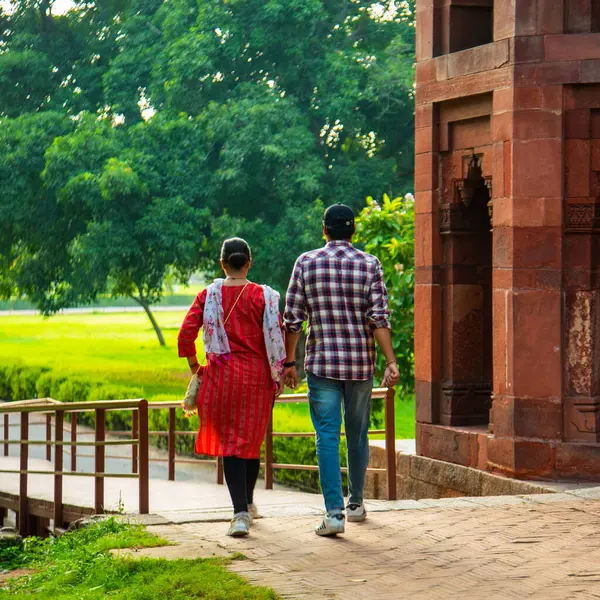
x=578, y=16
x=557, y=73
x=538, y=418
x=425, y=19
x=529, y=49
x=426, y=202
x=577, y=168
x=502, y=416
x=445, y=443
x=534, y=459
x=503, y=100
x=403, y=462
x=578, y=460
x=423, y=140
x=427, y=396
x=590, y=71
x=501, y=454
x=502, y=127
x=537, y=212
x=550, y=16
x=419, y=489
x=527, y=98
x=537, y=125
x=424, y=172
x=424, y=116
x=578, y=124
x=447, y=475
x=504, y=19
x=572, y=48
x=537, y=168
x=503, y=247
x=526, y=22
x=426, y=72
x=536, y=343
x=428, y=331
x=537, y=247
x=482, y=455
x=499, y=340
x=582, y=419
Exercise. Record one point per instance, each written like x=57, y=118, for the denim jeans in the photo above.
x=328, y=397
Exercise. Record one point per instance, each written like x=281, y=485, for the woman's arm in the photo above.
x=188, y=333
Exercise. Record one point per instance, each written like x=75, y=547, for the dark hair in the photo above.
x=340, y=233
x=236, y=253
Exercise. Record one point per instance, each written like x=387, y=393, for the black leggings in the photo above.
x=241, y=475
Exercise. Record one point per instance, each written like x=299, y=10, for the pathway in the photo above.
x=544, y=546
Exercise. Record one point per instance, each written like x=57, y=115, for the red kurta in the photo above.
x=236, y=396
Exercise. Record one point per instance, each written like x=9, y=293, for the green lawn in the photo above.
x=121, y=348
x=79, y=565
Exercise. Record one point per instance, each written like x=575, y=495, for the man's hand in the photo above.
x=290, y=377
x=391, y=376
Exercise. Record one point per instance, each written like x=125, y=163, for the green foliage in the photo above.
x=387, y=230
x=79, y=565
x=137, y=134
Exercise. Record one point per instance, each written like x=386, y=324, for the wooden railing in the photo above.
x=50, y=408
x=54, y=413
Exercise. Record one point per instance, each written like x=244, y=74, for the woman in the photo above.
x=243, y=342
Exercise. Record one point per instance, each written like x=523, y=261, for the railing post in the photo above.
x=23, y=512
x=73, y=442
x=58, y=468
x=220, y=476
x=269, y=455
x=134, y=435
x=171, y=443
x=49, y=437
x=99, y=453
x=390, y=443
x=6, y=433
x=144, y=505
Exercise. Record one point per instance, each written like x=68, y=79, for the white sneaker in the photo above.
x=356, y=512
x=331, y=525
x=253, y=512
x=240, y=525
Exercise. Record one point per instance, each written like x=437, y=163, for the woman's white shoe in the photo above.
x=240, y=525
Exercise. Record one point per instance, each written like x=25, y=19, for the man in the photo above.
x=341, y=292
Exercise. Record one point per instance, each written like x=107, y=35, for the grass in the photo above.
x=79, y=565
x=121, y=348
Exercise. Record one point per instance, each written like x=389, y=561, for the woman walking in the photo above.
x=243, y=342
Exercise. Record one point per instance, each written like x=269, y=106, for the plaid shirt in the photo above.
x=340, y=290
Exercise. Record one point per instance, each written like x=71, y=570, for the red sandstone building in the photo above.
x=507, y=298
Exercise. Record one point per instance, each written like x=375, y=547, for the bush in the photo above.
x=24, y=383
x=75, y=389
x=116, y=420
x=48, y=384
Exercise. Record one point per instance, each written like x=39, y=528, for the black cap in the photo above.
x=338, y=217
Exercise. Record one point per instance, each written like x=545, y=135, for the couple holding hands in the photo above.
x=340, y=291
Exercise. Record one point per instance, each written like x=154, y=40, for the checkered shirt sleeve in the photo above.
x=295, y=303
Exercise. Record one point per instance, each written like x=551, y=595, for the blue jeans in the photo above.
x=327, y=399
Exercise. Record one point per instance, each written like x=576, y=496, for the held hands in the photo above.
x=280, y=388
x=391, y=376
x=290, y=377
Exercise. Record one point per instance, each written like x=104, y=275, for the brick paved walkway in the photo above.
x=545, y=546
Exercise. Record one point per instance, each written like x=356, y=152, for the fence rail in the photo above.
x=54, y=418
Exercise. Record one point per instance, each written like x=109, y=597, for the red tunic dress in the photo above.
x=236, y=396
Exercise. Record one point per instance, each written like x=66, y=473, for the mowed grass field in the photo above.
x=121, y=348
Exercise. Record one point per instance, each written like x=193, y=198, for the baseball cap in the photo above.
x=338, y=216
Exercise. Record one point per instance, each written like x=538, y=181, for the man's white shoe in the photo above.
x=356, y=512
x=253, y=512
x=240, y=525
x=331, y=525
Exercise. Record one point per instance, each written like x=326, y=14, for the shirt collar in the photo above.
x=338, y=243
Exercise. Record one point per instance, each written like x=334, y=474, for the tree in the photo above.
x=387, y=230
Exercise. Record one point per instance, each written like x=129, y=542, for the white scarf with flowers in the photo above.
x=216, y=343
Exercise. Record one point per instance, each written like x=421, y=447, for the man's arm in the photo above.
x=378, y=315
x=293, y=318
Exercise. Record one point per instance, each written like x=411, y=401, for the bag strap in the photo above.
x=235, y=304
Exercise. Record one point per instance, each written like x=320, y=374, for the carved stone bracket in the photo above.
x=583, y=218
x=456, y=218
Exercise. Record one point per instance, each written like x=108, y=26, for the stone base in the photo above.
x=419, y=477
x=521, y=458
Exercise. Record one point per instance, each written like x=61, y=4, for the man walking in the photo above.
x=341, y=292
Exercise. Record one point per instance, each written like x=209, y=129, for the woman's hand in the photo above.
x=280, y=388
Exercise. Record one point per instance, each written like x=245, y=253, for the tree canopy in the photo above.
x=136, y=134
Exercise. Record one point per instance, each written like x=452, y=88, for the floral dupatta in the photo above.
x=216, y=343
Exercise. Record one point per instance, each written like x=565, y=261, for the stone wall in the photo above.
x=419, y=477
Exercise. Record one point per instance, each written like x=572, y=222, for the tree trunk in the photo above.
x=146, y=307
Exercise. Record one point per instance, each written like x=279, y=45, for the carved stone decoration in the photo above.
x=465, y=404
x=583, y=218
x=457, y=218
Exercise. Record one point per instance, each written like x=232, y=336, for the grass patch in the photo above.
x=79, y=565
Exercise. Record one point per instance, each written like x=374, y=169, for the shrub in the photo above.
x=75, y=389
x=24, y=382
x=116, y=420
x=48, y=384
